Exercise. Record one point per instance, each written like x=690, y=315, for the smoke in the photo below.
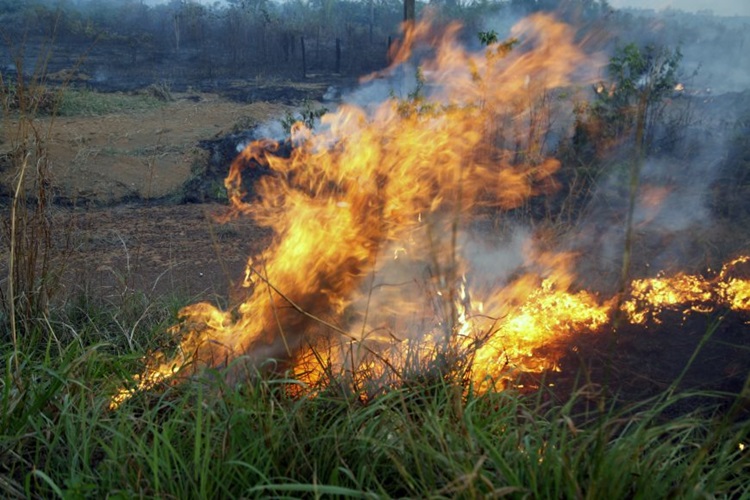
x=494, y=257
x=271, y=129
x=718, y=7
x=714, y=48
x=672, y=206
x=675, y=225
x=209, y=3
x=398, y=84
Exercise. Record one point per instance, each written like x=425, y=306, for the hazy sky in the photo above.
x=720, y=7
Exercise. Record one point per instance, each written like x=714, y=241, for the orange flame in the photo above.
x=735, y=291
x=366, y=268
x=691, y=293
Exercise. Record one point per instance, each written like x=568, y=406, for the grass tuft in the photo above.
x=76, y=102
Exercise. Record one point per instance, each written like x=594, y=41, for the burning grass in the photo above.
x=398, y=179
x=369, y=354
x=205, y=438
x=369, y=270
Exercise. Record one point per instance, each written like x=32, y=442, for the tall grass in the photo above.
x=32, y=250
x=206, y=439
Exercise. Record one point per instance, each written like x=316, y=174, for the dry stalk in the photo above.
x=635, y=174
x=12, y=258
x=276, y=313
x=323, y=322
x=31, y=280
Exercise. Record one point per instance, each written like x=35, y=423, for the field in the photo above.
x=120, y=193
x=515, y=279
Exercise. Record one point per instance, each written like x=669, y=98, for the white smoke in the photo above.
x=718, y=7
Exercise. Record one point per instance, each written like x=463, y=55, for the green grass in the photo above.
x=206, y=439
x=90, y=103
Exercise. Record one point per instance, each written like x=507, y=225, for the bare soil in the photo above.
x=118, y=178
x=145, y=154
x=158, y=250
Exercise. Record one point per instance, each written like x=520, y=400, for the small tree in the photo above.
x=620, y=123
x=639, y=82
x=626, y=110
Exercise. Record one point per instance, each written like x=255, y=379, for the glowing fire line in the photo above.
x=546, y=315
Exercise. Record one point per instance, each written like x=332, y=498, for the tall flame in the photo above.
x=401, y=179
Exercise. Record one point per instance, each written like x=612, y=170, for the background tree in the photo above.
x=639, y=81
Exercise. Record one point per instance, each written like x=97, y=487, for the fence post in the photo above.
x=338, y=56
x=409, y=11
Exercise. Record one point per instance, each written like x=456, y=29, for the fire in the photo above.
x=367, y=272
x=650, y=296
x=691, y=293
x=735, y=291
x=546, y=315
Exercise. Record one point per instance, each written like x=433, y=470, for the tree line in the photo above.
x=246, y=36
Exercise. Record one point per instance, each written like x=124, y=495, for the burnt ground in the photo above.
x=700, y=349
x=159, y=249
x=695, y=354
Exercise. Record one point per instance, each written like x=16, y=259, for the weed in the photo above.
x=207, y=439
x=308, y=115
x=161, y=91
x=245, y=123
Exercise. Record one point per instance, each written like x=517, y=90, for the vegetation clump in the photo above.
x=75, y=102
